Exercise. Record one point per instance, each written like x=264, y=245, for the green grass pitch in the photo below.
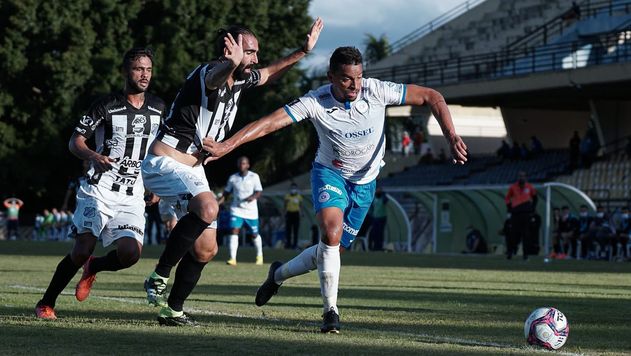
x=390, y=304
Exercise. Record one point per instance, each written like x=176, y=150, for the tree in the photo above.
x=376, y=48
x=57, y=57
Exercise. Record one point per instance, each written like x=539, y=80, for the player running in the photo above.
x=110, y=203
x=349, y=117
x=204, y=110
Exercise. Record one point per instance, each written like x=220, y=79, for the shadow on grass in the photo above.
x=377, y=259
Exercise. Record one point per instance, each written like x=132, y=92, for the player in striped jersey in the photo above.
x=203, y=110
x=110, y=202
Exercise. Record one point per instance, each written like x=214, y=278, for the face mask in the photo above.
x=583, y=214
x=600, y=215
x=294, y=191
x=522, y=181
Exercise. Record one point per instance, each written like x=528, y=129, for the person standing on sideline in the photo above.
x=13, y=206
x=292, y=217
x=203, y=111
x=245, y=189
x=521, y=202
x=349, y=117
x=110, y=202
x=379, y=217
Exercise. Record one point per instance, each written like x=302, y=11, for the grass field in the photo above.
x=389, y=304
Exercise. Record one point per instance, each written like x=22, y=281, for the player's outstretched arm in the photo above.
x=279, y=67
x=418, y=95
x=257, y=129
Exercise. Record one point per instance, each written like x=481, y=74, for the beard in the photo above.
x=134, y=87
x=240, y=73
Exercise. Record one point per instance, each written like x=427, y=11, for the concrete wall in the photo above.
x=614, y=118
x=553, y=127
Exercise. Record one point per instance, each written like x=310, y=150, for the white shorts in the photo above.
x=109, y=220
x=175, y=183
x=169, y=178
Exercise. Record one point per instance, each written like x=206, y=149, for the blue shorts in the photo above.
x=329, y=189
x=251, y=225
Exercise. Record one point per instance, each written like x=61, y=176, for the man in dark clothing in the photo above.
x=521, y=201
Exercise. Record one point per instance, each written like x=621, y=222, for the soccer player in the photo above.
x=245, y=186
x=204, y=110
x=110, y=202
x=348, y=115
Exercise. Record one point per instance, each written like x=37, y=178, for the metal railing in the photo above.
x=556, y=26
x=510, y=63
x=434, y=24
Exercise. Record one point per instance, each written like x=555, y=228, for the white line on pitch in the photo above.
x=427, y=338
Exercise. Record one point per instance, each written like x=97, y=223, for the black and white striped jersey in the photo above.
x=199, y=112
x=124, y=134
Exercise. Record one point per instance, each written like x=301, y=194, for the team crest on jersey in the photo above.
x=324, y=197
x=139, y=124
x=89, y=212
x=111, y=143
x=86, y=121
x=362, y=106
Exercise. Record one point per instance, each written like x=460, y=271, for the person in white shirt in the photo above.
x=245, y=188
x=349, y=117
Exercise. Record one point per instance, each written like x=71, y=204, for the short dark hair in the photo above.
x=344, y=56
x=134, y=54
x=235, y=31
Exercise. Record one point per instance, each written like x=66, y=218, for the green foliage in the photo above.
x=57, y=57
x=377, y=48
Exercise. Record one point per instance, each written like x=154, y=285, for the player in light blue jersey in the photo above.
x=349, y=117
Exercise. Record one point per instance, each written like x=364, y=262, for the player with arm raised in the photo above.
x=349, y=117
x=205, y=108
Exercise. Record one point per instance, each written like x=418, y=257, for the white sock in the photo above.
x=258, y=244
x=301, y=264
x=233, y=246
x=329, y=271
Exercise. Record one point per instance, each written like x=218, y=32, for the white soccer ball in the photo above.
x=547, y=327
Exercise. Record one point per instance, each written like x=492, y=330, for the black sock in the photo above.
x=66, y=269
x=186, y=276
x=108, y=262
x=181, y=239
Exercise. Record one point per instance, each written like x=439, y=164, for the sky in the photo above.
x=346, y=22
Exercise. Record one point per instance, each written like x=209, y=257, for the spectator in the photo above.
x=428, y=157
x=556, y=238
x=292, y=216
x=418, y=138
x=521, y=201
x=575, y=143
x=153, y=222
x=406, y=144
x=623, y=233
x=601, y=235
x=568, y=233
x=535, y=146
x=475, y=241
x=442, y=156
x=524, y=152
x=379, y=218
x=516, y=151
x=504, y=152
x=584, y=223
x=13, y=206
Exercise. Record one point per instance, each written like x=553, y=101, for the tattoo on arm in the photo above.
x=218, y=75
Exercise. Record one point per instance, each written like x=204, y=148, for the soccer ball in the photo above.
x=546, y=327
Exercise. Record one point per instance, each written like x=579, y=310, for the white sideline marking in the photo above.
x=427, y=338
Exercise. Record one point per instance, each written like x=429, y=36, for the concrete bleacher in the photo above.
x=608, y=179
x=482, y=170
x=488, y=27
